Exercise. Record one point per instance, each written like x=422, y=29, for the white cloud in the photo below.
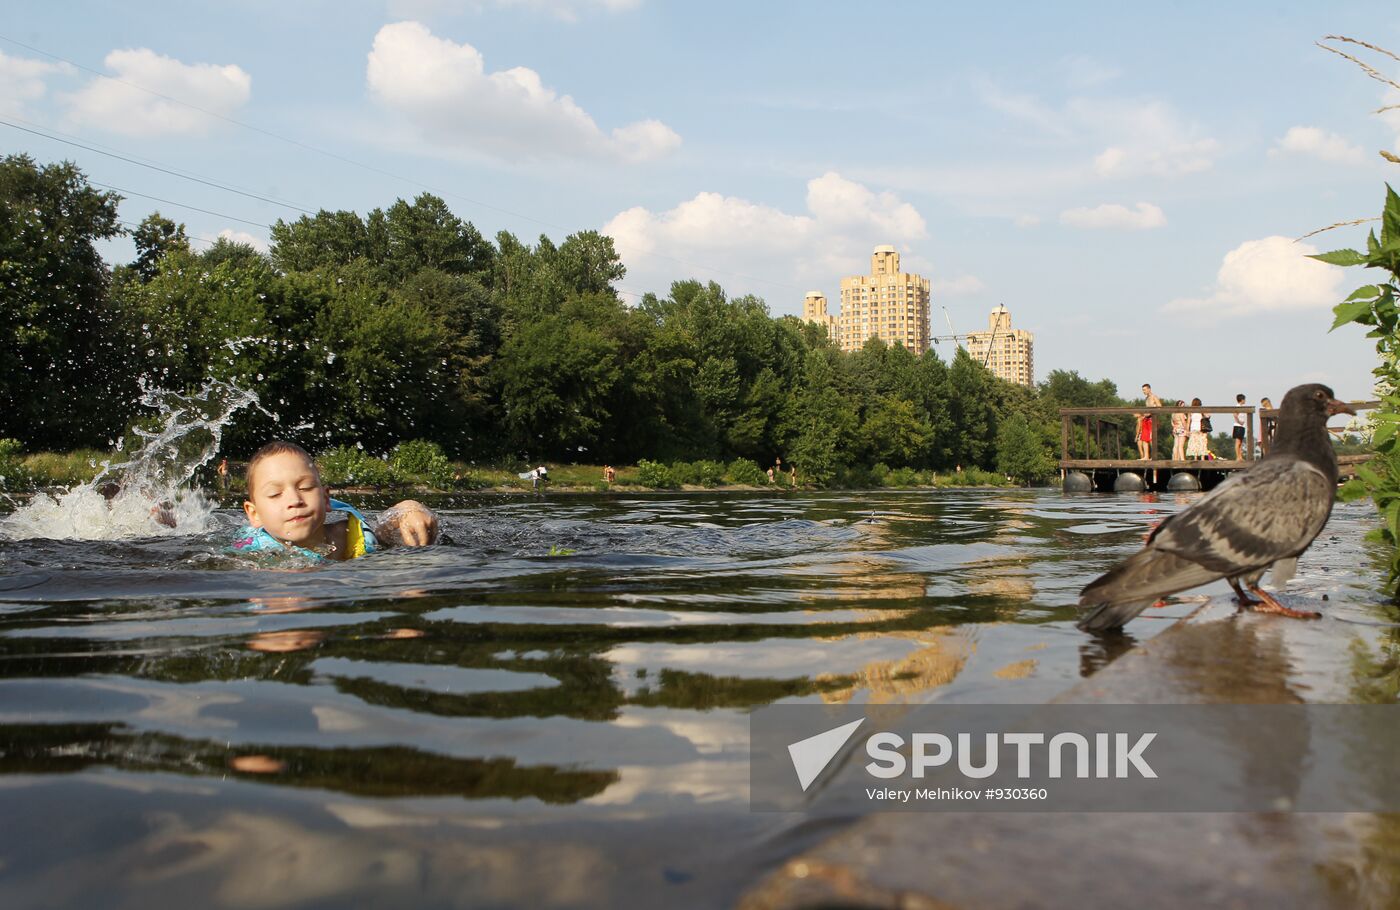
x=763, y=249
x=1272, y=274
x=1026, y=220
x=22, y=80
x=444, y=91
x=839, y=202
x=257, y=243
x=1317, y=143
x=121, y=107
x=1174, y=159
x=1135, y=138
x=1111, y=216
x=1144, y=139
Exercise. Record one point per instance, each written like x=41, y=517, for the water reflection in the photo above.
x=514, y=688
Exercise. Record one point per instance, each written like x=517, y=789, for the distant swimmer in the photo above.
x=289, y=509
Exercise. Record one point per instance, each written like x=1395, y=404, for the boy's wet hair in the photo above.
x=278, y=447
x=1240, y=398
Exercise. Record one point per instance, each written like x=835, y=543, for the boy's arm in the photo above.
x=408, y=523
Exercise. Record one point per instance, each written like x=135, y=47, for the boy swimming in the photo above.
x=288, y=507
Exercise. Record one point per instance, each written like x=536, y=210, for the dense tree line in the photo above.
x=408, y=323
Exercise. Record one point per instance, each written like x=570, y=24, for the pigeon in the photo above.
x=1264, y=516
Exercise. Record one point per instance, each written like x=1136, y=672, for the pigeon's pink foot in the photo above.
x=1267, y=603
x=1161, y=602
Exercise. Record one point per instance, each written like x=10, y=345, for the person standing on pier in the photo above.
x=1240, y=419
x=1179, y=433
x=1266, y=426
x=1144, y=427
x=1197, y=444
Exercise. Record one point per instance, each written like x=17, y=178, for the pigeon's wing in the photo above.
x=1258, y=517
x=1270, y=512
x=1135, y=584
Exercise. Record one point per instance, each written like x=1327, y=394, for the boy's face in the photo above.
x=287, y=498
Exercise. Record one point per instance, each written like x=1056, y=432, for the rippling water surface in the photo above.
x=547, y=709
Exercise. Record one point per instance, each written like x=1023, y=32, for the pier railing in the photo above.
x=1106, y=438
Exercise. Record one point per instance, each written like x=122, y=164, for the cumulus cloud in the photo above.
x=1317, y=143
x=23, y=80
x=1026, y=221
x=1111, y=216
x=1272, y=274
x=252, y=240
x=763, y=249
x=445, y=92
x=121, y=107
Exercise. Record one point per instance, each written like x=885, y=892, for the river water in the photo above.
x=547, y=709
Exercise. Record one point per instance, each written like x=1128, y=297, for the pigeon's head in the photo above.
x=1315, y=399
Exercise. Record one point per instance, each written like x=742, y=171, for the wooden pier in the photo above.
x=1098, y=448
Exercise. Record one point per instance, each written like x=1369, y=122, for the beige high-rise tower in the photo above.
x=1009, y=353
x=887, y=304
x=814, y=310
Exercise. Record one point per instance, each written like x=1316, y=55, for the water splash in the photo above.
x=150, y=494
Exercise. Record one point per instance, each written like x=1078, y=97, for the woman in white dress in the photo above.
x=1196, y=442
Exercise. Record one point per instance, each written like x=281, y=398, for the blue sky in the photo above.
x=1128, y=181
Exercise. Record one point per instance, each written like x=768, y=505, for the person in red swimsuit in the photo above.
x=1144, y=426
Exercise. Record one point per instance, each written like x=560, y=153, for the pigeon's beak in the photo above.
x=1335, y=407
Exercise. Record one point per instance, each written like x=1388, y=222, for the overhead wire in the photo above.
x=182, y=205
x=338, y=157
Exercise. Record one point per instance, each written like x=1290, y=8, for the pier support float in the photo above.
x=1184, y=482
x=1129, y=482
x=1078, y=482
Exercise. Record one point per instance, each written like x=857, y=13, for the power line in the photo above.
x=350, y=161
x=133, y=224
x=163, y=170
x=193, y=208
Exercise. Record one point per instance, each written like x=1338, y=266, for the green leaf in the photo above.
x=1369, y=292
x=1349, y=312
x=1340, y=257
x=1352, y=490
x=1390, y=219
x=1385, y=433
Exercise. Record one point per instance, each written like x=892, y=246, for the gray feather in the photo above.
x=1265, y=516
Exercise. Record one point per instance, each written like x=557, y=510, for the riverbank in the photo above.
x=49, y=470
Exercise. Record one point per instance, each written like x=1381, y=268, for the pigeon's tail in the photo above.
x=1135, y=584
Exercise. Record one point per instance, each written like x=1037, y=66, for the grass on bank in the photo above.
x=422, y=465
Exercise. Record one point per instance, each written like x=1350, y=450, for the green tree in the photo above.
x=425, y=234
x=894, y=434
x=67, y=375
x=1022, y=452
x=556, y=376
x=327, y=239
x=154, y=237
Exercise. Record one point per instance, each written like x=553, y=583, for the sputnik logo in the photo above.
x=810, y=756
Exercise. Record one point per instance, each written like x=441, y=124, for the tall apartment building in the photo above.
x=814, y=310
x=887, y=304
x=1008, y=353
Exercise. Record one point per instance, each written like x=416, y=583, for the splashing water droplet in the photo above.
x=147, y=494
